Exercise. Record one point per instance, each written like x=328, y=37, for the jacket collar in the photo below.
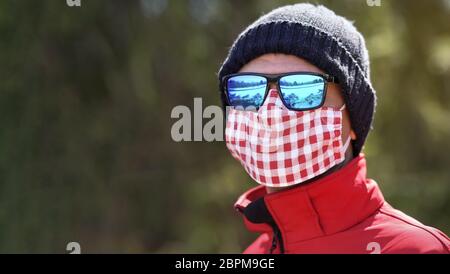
x=329, y=205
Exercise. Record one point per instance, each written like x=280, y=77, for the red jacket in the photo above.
x=343, y=212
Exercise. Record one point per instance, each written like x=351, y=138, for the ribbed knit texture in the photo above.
x=321, y=37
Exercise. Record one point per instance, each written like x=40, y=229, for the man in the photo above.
x=301, y=105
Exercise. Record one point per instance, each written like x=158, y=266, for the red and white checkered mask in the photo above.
x=279, y=147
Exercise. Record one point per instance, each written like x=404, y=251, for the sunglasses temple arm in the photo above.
x=333, y=79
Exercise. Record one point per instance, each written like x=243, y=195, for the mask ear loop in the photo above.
x=347, y=142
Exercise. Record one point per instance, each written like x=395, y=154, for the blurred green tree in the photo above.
x=85, y=100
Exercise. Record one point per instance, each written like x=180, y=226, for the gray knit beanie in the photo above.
x=321, y=37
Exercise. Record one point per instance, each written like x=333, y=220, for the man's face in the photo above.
x=282, y=63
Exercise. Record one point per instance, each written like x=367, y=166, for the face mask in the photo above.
x=279, y=147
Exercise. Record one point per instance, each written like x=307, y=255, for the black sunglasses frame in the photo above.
x=275, y=78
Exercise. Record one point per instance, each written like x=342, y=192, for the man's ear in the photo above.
x=352, y=134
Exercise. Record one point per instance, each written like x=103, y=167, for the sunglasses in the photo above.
x=298, y=90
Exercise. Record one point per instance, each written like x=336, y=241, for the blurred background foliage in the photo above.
x=85, y=100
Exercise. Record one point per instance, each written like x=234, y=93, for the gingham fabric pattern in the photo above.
x=279, y=147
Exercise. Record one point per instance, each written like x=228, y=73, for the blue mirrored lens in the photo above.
x=302, y=91
x=246, y=90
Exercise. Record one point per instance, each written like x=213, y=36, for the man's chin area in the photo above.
x=348, y=158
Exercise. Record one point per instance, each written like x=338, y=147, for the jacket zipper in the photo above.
x=277, y=239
